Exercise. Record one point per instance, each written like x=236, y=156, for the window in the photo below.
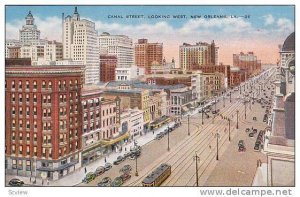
x=27, y=111
x=34, y=111
x=49, y=98
x=35, y=137
x=14, y=162
x=20, y=124
x=27, y=85
x=34, y=151
x=34, y=98
x=13, y=135
x=20, y=98
x=27, y=125
x=13, y=86
x=13, y=111
x=13, y=98
x=34, y=85
x=20, y=136
x=20, y=85
x=50, y=85
x=28, y=162
x=44, y=152
x=43, y=84
x=27, y=98
x=13, y=123
x=35, y=124
x=27, y=136
x=20, y=150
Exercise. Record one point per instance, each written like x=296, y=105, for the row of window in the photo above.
x=61, y=84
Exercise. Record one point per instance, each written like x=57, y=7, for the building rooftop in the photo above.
x=289, y=43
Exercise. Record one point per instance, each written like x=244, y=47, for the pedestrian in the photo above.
x=30, y=179
x=85, y=170
x=47, y=182
x=125, y=149
x=153, y=132
x=105, y=159
x=209, y=146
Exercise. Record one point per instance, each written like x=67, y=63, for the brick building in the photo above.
x=108, y=64
x=148, y=54
x=14, y=52
x=43, y=119
x=248, y=62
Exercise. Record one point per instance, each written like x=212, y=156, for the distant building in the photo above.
x=29, y=34
x=248, y=62
x=14, y=52
x=108, y=64
x=129, y=73
x=119, y=45
x=43, y=119
x=237, y=76
x=201, y=53
x=80, y=44
x=10, y=43
x=148, y=54
x=214, y=84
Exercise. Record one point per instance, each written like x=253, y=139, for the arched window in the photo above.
x=43, y=84
x=50, y=85
x=34, y=85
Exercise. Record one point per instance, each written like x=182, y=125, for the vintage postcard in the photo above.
x=150, y=96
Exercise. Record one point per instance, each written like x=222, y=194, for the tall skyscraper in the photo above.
x=201, y=53
x=148, y=54
x=80, y=44
x=119, y=45
x=29, y=34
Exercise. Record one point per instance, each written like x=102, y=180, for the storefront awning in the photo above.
x=115, y=140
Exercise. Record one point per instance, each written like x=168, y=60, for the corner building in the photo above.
x=43, y=119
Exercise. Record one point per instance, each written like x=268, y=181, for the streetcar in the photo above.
x=160, y=122
x=158, y=176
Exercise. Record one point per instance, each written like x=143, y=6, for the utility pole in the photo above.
x=136, y=170
x=202, y=115
x=223, y=101
x=196, y=158
x=245, y=109
x=237, y=119
x=229, y=137
x=189, y=124
x=168, y=138
x=230, y=96
x=217, y=136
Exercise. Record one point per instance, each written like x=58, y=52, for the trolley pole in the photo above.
x=196, y=158
x=230, y=96
x=189, y=124
x=202, y=115
x=223, y=101
x=168, y=138
x=229, y=137
x=245, y=110
x=237, y=119
x=136, y=170
x=217, y=136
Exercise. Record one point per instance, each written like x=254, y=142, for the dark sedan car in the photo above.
x=119, y=160
x=107, y=166
x=16, y=182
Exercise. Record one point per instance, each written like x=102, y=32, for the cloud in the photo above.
x=50, y=28
x=285, y=25
x=269, y=19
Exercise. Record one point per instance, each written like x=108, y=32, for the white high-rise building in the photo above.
x=80, y=44
x=29, y=34
x=119, y=45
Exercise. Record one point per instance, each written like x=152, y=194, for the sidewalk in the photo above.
x=76, y=177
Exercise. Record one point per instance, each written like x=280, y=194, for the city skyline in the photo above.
x=231, y=35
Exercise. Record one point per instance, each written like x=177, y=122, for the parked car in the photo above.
x=126, y=155
x=117, y=182
x=89, y=177
x=107, y=166
x=125, y=169
x=119, y=160
x=100, y=170
x=251, y=134
x=257, y=147
x=241, y=143
x=105, y=182
x=242, y=148
x=247, y=129
x=15, y=182
x=254, y=118
x=158, y=136
x=125, y=177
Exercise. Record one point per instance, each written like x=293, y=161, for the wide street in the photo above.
x=232, y=168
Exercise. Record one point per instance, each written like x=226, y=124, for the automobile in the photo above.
x=15, y=182
x=254, y=131
x=263, y=106
x=254, y=118
x=107, y=166
x=126, y=155
x=257, y=147
x=125, y=177
x=119, y=160
x=251, y=134
x=241, y=143
x=132, y=157
x=106, y=181
x=125, y=169
x=100, y=170
x=166, y=131
x=247, y=129
x=89, y=177
x=242, y=149
x=117, y=182
x=158, y=136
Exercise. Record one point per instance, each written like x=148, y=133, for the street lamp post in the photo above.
x=168, y=138
x=217, y=135
x=229, y=137
x=237, y=119
x=202, y=115
x=230, y=96
x=223, y=101
x=189, y=124
x=136, y=171
x=245, y=109
x=196, y=158
x=215, y=103
x=240, y=89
